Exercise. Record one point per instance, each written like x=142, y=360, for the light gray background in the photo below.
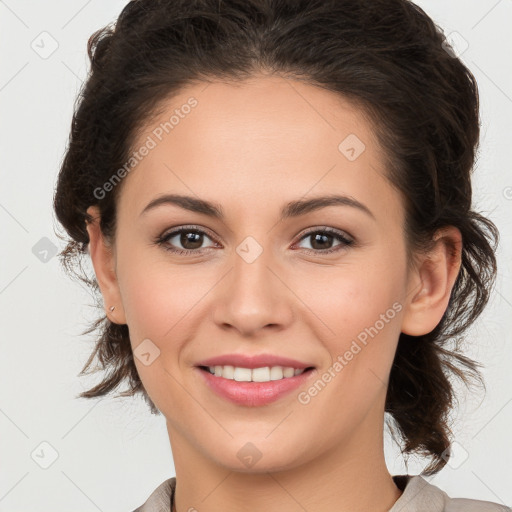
x=112, y=453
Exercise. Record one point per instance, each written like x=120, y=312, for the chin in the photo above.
x=255, y=457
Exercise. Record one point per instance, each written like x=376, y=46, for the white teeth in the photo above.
x=260, y=374
x=242, y=374
x=264, y=374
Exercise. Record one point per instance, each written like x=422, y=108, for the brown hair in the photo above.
x=389, y=58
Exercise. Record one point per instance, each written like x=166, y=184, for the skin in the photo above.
x=253, y=147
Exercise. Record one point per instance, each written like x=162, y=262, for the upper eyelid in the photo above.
x=179, y=229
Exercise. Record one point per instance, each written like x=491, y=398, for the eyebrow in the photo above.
x=291, y=209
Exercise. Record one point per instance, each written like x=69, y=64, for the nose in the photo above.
x=254, y=296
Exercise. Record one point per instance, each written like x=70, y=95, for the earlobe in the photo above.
x=431, y=283
x=102, y=258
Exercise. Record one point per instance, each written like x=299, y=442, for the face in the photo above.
x=325, y=285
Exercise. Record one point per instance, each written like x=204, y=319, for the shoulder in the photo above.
x=421, y=496
x=467, y=505
x=160, y=499
x=418, y=496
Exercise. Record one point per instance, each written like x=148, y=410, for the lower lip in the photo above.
x=254, y=394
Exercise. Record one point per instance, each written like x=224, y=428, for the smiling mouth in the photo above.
x=263, y=374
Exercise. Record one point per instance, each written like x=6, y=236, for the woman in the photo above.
x=276, y=199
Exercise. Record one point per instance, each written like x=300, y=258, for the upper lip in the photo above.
x=256, y=361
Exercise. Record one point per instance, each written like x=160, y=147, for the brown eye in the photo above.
x=191, y=239
x=322, y=241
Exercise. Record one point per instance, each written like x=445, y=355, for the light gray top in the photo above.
x=418, y=496
x=422, y=496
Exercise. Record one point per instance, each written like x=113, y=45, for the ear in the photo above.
x=431, y=283
x=103, y=260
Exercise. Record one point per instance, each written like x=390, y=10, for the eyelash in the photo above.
x=163, y=240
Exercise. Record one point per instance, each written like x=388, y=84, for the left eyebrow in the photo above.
x=291, y=209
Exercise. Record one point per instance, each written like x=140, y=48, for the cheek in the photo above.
x=156, y=302
x=363, y=311
x=353, y=297
x=156, y=295
x=160, y=301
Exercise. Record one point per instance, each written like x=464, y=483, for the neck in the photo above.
x=350, y=477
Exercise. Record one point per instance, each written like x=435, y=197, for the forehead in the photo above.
x=267, y=137
x=262, y=109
